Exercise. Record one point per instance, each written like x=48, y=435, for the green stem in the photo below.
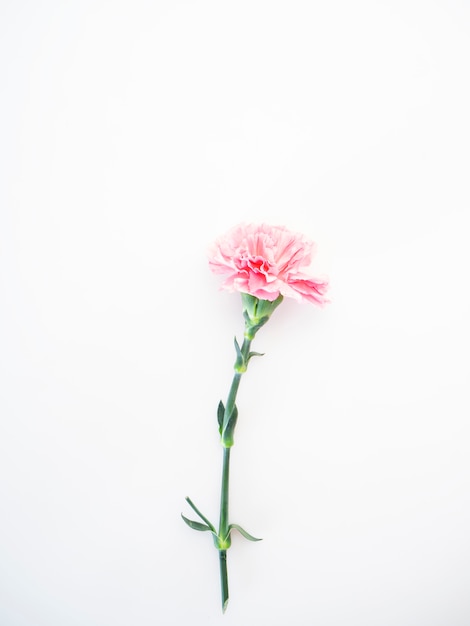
x=224, y=532
x=223, y=578
x=223, y=520
x=224, y=539
x=232, y=396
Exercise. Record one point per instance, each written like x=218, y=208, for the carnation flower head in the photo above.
x=265, y=262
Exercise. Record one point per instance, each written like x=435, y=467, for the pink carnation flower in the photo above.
x=265, y=261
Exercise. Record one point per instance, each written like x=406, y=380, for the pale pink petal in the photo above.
x=264, y=261
x=311, y=289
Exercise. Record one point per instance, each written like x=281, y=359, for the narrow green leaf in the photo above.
x=227, y=434
x=237, y=348
x=240, y=364
x=255, y=354
x=244, y=533
x=220, y=415
x=198, y=512
x=233, y=418
x=195, y=525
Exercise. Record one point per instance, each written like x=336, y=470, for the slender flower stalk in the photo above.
x=263, y=263
x=224, y=527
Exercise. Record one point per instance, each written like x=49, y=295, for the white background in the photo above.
x=134, y=133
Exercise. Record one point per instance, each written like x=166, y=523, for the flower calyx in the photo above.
x=257, y=312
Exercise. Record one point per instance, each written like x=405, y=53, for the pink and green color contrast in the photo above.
x=265, y=264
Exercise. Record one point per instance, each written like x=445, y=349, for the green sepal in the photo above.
x=220, y=415
x=267, y=307
x=227, y=434
x=198, y=512
x=257, y=312
x=195, y=525
x=250, y=304
x=243, y=532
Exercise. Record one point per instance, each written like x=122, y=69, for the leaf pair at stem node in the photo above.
x=241, y=363
x=221, y=543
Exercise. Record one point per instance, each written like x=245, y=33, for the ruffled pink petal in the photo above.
x=310, y=289
x=264, y=261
